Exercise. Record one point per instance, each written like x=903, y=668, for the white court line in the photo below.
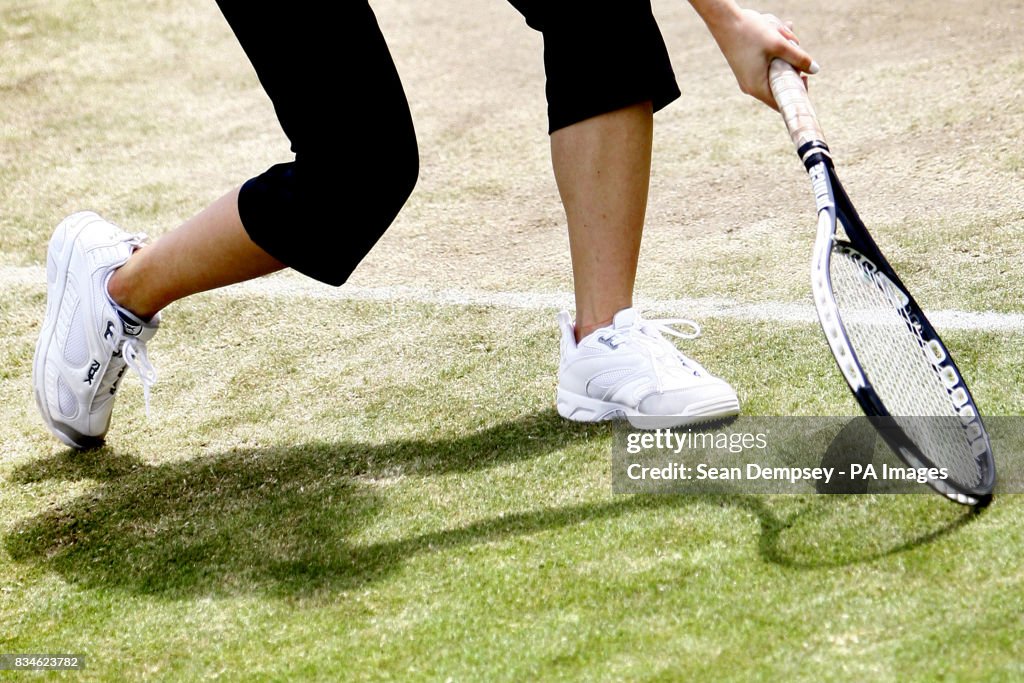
x=291, y=286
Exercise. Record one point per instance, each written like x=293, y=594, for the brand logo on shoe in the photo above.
x=93, y=369
x=609, y=342
x=131, y=328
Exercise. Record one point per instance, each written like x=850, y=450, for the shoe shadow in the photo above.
x=281, y=521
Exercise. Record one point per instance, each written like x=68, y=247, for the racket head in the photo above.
x=896, y=365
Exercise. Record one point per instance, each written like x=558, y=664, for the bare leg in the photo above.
x=208, y=251
x=603, y=169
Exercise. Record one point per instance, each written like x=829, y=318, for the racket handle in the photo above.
x=791, y=96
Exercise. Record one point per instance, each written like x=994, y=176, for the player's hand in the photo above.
x=750, y=40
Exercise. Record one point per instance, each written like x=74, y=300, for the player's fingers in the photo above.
x=798, y=57
x=787, y=33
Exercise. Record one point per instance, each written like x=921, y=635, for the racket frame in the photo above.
x=835, y=208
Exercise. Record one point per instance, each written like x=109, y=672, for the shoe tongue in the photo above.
x=624, y=318
x=131, y=324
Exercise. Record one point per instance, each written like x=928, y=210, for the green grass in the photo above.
x=339, y=490
x=299, y=506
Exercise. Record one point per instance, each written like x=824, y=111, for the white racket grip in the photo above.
x=791, y=96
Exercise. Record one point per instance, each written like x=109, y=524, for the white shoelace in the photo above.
x=655, y=328
x=664, y=326
x=135, y=357
x=130, y=353
x=131, y=349
x=650, y=333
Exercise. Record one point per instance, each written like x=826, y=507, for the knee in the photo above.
x=348, y=211
x=322, y=213
x=370, y=181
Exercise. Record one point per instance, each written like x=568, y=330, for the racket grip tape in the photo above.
x=794, y=104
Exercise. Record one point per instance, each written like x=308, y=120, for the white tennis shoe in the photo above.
x=630, y=370
x=87, y=342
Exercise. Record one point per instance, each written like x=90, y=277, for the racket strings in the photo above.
x=897, y=363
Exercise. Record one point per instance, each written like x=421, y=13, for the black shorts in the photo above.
x=307, y=213
x=598, y=56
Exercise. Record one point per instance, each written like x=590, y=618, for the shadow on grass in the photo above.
x=840, y=531
x=279, y=520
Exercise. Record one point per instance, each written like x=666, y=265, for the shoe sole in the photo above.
x=60, y=250
x=585, y=409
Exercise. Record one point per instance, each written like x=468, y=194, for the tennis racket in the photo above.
x=894, y=361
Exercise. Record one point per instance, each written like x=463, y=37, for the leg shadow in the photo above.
x=280, y=520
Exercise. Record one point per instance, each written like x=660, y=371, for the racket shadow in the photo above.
x=851, y=529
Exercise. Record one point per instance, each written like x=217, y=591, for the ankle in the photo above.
x=584, y=329
x=120, y=292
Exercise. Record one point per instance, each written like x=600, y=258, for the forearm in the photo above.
x=717, y=14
